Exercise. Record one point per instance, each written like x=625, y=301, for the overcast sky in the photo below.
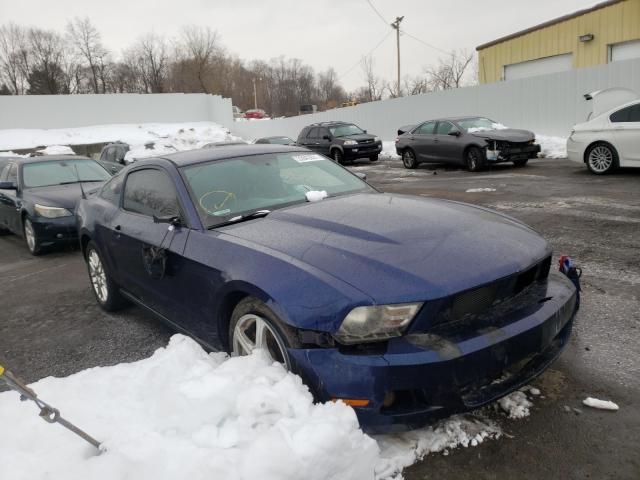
x=322, y=33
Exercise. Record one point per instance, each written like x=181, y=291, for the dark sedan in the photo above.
x=406, y=308
x=474, y=142
x=38, y=197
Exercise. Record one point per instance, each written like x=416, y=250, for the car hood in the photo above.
x=397, y=248
x=506, y=135
x=359, y=137
x=65, y=196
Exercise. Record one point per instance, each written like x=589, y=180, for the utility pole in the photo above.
x=396, y=25
x=255, y=95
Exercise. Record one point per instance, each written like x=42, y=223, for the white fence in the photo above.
x=548, y=104
x=58, y=111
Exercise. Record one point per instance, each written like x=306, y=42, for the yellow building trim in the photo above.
x=610, y=23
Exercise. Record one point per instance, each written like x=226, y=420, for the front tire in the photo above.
x=337, y=156
x=409, y=159
x=104, y=288
x=31, y=237
x=474, y=160
x=374, y=158
x=520, y=163
x=602, y=158
x=254, y=326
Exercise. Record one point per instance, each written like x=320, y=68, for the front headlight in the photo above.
x=376, y=139
x=52, y=212
x=376, y=323
x=350, y=142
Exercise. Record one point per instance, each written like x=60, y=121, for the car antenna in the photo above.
x=84, y=196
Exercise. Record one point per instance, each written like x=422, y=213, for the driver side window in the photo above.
x=10, y=173
x=150, y=192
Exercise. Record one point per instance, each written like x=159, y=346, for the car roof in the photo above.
x=50, y=158
x=274, y=136
x=192, y=157
x=328, y=124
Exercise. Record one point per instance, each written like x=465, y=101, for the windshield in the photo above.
x=281, y=140
x=344, y=130
x=479, y=124
x=224, y=189
x=43, y=174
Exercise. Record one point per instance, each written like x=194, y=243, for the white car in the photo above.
x=611, y=137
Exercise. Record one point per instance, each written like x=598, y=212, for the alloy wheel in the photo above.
x=254, y=332
x=408, y=159
x=30, y=234
x=600, y=158
x=98, y=276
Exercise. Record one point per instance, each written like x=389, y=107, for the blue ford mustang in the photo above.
x=406, y=308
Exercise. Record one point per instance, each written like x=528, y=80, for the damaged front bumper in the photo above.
x=509, y=153
x=419, y=378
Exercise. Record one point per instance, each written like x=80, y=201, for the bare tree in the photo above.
x=197, y=51
x=450, y=71
x=14, y=57
x=149, y=58
x=86, y=41
x=50, y=66
x=374, y=85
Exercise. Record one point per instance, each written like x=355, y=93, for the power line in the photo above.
x=425, y=43
x=377, y=12
x=366, y=55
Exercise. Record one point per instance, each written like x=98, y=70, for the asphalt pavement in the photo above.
x=50, y=323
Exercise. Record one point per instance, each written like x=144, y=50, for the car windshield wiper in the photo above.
x=242, y=218
x=78, y=181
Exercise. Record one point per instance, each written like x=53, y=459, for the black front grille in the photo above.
x=478, y=300
x=363, y=142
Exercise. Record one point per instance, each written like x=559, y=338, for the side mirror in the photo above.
x=454, y=133
x=174, y=220
x=362, y=176
x=364, y=131
x=8, y=186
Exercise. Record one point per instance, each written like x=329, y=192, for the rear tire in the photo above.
x=602, y=158
x=520, y=163
x=104, y=288
x=409, y=159
x=474, y=160
x=250, y=317
x=374, y=158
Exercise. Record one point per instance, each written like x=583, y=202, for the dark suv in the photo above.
x=343, y=142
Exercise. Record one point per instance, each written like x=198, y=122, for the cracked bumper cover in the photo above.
x=435, y=378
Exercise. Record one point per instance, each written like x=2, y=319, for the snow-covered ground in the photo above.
x=165, y=137
x=183, y=413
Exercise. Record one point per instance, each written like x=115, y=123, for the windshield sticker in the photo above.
x=309, y=157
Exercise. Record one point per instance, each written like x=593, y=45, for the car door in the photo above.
x=148, y=253
x=10, y=202
x=626, y=132
x=324, y=141
x=312, y=141
x=422, y=140
x=448, y=143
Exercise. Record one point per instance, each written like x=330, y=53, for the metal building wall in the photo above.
x=612, y=24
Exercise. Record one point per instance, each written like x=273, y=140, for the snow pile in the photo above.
x=56, y=150
x=316, y=195
x=600, y=404
x=184, y=414
x=11, y=154
x=495, y=126
x=552, y=147
x=476, y=190
x=165, y=136
x=389, y=150
x=401, y=450
x=516, y=404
